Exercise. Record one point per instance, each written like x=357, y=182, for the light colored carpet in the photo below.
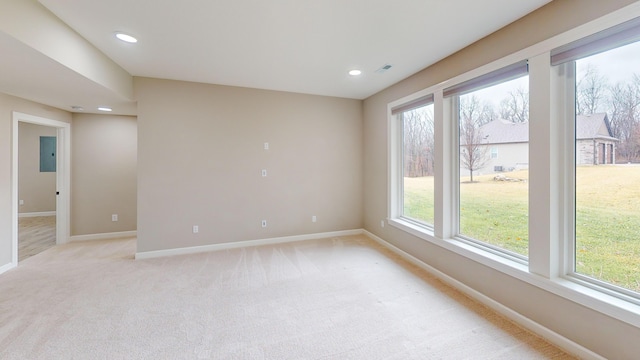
x=339, y=298
x=35, y=235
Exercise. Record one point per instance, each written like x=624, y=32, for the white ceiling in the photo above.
x=300, y=46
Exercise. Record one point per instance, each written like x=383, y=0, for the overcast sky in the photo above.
x=615, y=65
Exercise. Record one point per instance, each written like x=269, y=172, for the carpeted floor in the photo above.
x=339, y=298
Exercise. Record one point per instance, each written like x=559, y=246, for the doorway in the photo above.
x=62, y=175
x=37, y=150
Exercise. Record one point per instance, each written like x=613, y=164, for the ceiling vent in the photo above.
x=384, y=68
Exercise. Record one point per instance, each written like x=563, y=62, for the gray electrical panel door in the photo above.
x=47, y=154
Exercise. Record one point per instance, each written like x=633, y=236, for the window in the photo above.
x=493, y=112
x=550, y=200
x=607, y=155
x=414, y=121
x=418, y=169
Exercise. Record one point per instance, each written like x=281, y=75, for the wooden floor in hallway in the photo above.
x=35, y=235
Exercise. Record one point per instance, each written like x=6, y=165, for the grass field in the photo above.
x=607, y=217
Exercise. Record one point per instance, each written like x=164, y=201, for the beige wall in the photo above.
x=201, y=152
x=607, y=336
x=37, y=189
x=9, y=104
x=103, y=173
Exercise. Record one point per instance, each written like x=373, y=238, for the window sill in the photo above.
x=627, y=311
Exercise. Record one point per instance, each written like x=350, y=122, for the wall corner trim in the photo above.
x=6, y=267
x=547, y=334
x=241, y=244
x=104, y=236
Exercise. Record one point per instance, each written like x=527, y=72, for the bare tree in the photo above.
x=472, y=108
x=418, y=142
x=474, y=154
x=590, y=91
x=624, y=115
x=515, y=107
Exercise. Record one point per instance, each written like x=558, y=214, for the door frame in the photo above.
x=63, y=177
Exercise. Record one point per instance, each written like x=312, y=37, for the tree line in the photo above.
x=621, y=103
x=594, y=94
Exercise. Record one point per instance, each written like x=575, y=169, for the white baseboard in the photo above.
x=240, y=244
x=550, y=335
x=36, y=214
x=6, y=267
x=104, y=236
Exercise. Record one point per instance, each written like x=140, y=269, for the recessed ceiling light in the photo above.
x=104, y=108
x=126, y=38
x=355, y=72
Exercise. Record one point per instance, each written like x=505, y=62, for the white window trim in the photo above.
x=550, y=262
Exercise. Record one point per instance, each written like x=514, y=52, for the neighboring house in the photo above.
x=508, y=148
x=595, y=143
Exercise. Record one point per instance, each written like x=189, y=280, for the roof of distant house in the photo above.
x=594, y=126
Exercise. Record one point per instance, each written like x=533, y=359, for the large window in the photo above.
x=607, y=157
x=530, y=165
x=418, y=163
x=493, y=117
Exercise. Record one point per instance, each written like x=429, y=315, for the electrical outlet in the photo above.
x=382, y=223
x=114, y=217
x=195, y=229
x=313, y=218
x=264, y=172
x=266, y=146
x=21, y=202
x=264, y=223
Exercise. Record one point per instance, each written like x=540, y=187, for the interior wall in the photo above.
x=604, y=335
x=9, y=104
x=37, y=189
x=201, y=154
x=103, y=173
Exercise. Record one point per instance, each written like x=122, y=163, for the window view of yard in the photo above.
x=494, y=166
x=494, y=162
x=417, y=153
x=607, y=224
x=608, y=219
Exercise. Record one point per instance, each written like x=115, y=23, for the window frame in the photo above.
x=497, y=76
x=396, y=156
x=551, y=240
x=567, y=79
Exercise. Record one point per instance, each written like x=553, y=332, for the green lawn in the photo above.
x=607, y=219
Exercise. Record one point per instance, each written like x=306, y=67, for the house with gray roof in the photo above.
x=508, y=148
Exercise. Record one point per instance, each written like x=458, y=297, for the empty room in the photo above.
x=320, y=179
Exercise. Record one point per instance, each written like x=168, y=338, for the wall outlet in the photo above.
x=195, y=229
x=21, y=202
x=264, y=223
x=314, y=219
x=114, y=217
x=382, y=223
x=264, y=172
x=266, y=146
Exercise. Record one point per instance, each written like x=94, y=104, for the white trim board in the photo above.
x=63, y=176
x=549, y=335
x=241, y=244
x=37, y=214
x=104, y=236
x=6, y=267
